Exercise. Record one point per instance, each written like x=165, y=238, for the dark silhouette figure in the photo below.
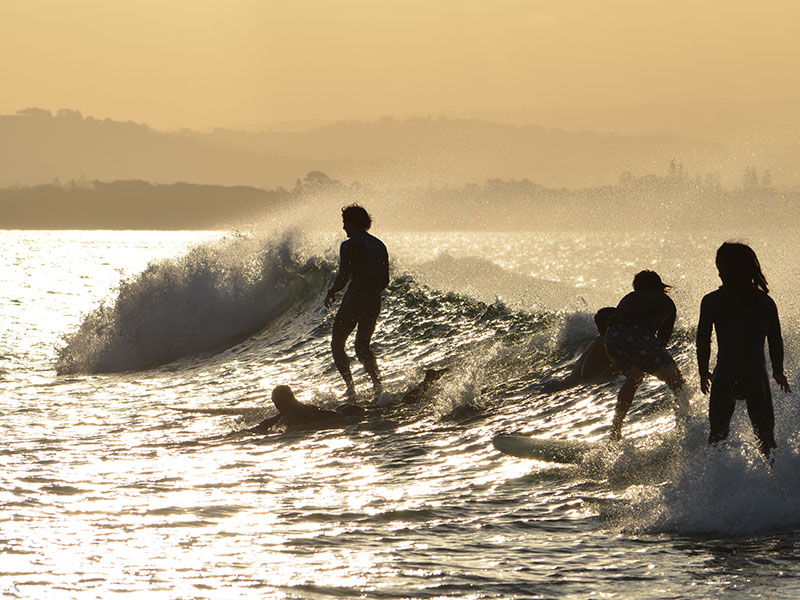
x=297, y=415
x=743, y=316
x=364, y=263
x=594, y=362
x=636, y=341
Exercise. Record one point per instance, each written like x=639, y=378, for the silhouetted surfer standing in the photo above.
x=744, y=316
x=364, y=262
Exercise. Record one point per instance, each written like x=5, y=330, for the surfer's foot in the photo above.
x=350, y=394
x=615, y=435
x=382, y=399
x=379, y=397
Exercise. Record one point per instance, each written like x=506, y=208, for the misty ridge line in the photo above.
x=393, y=154
x=675, y=199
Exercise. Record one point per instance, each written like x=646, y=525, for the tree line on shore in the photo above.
x=673, y=199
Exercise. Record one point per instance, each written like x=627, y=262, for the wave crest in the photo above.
x=209, y=299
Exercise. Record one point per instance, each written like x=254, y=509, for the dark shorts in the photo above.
x=633, y=346
x=357, y=310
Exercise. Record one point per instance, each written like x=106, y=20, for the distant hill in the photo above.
x=778, y=119
x=394, y=153
x=136, y=205
x=38, y=147
x=673, y=200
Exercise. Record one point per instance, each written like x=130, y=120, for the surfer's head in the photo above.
x=601, y=318
x=355, y=219
x=284, y=400
x=738, y=266
x=649, y=281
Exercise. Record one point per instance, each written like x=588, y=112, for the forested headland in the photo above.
x=673, y=199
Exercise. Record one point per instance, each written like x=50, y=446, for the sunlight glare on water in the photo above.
x=111, y=486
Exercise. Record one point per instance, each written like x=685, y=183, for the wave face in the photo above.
x=257, y=302
x=209, y=299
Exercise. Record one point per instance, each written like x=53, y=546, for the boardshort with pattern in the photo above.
x=634, y=346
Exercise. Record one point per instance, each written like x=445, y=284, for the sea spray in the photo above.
x=727, y=490
x=208, y=299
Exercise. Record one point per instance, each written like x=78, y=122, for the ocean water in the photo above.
x=112, y=487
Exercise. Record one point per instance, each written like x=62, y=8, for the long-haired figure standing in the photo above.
x=743, y=316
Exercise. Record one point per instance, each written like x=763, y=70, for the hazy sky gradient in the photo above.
x=202, y=63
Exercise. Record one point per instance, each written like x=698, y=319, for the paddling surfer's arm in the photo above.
x=266, y=425
x=342, y=277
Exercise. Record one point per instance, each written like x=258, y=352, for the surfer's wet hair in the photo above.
x=357, y=215
x=649, y=281
x=738, y=265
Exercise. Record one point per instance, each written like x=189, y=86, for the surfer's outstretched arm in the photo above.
x=266, y=425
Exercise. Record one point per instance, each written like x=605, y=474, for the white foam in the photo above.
x=210, y=297
x=729, y=490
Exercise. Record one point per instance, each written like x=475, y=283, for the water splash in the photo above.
x=207, y=300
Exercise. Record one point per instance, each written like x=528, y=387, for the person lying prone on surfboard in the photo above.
x=297, y=415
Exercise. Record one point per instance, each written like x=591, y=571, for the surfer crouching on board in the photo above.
x=744, y=316
x=364, y=263
x=636, y=342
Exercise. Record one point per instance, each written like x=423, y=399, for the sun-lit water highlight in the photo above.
x=109, y=488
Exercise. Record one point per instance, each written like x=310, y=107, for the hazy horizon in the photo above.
x=571, y=95
x=629, y=119
x=255, y=64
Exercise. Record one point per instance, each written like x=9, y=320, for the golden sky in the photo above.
x=203, y=63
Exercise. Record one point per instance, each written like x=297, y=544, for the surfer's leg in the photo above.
x=366, y=327
x=721, y=403
x=624, y=400
x=680, y=399
x=762, y=416
x=343, y=326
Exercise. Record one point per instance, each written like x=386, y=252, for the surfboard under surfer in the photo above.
x=364, y=269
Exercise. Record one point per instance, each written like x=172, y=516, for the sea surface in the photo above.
x=133, y=363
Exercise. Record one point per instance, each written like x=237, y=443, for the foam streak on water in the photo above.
x=106, y=488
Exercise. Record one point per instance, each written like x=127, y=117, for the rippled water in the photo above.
x=107, y=489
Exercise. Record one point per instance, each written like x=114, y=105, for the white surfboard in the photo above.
x=546, y=449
